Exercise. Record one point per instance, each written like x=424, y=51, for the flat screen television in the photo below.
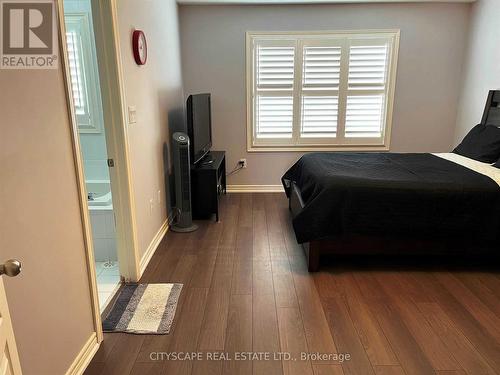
x=199, y=124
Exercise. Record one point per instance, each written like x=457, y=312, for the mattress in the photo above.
x=477, y=166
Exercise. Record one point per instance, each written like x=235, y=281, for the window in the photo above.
x=320, y=90
x=84, y=73
x=75, y=58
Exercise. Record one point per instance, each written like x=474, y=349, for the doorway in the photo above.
x=85, y=88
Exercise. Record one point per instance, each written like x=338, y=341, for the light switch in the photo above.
x=132, y=114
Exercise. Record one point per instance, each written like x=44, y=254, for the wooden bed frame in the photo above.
x=351, y=244
x=380, y=245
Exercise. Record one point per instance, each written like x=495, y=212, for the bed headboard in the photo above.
x=491, y=115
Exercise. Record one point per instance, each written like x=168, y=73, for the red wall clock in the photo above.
x=140, y=47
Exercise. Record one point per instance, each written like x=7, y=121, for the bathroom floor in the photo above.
x=108, y=281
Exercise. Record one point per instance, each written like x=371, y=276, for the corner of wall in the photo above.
x=480, y=67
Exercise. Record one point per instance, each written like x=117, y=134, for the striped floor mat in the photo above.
x=143, y=309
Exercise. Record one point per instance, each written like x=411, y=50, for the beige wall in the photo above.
x=40, y=222
x=40, y=219
x=482, y=67
x=433, y=39
x=155, y=89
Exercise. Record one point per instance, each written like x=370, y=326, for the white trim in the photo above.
x=312, y=33
x=117, y=143
x=80, y=179
x=153, y=246
x=84, y=357
x=346, y=38
x=284, y=2
x=255, y=189
x=313, y=148
x=249, y=87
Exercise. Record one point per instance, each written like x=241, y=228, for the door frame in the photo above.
x=10, y=338
x=115, y=124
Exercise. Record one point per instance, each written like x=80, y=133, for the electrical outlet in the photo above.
x=151, y=206
x=243, y=163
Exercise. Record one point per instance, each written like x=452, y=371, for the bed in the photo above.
x=395, y=203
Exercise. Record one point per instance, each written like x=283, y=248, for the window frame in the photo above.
x=91, y=121
x=297, y=143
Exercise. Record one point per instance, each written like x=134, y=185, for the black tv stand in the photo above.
x=207, y=159
x=208, y=182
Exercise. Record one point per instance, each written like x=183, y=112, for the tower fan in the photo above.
x=182, y=175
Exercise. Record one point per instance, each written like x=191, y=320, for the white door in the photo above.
x=9, y=359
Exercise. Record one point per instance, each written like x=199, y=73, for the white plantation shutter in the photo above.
x=364, y=115
x=368, y=68
x=321, y=68
x=76, y=70
x=77, y=74
x=275, y=68
x=319, y=89
x=274, y=90
x=319, y=116
x=274, y=116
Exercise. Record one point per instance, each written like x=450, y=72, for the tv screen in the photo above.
x=199, y=125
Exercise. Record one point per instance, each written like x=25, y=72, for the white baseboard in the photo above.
x=84, y=357
x=152, y=247
x=255, y=188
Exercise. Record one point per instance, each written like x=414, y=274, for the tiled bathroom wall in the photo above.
x=104, y=235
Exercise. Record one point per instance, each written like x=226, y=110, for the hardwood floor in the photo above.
x=247, y=289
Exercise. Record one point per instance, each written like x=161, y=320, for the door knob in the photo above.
x=11, y=267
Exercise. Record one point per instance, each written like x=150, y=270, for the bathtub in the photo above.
x=102, y=220
x=99, y=193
